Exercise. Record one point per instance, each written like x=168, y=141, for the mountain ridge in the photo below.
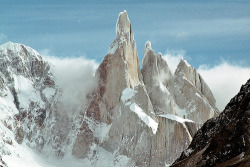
x=139, y=116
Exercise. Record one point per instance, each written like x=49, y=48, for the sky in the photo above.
x=210, y=35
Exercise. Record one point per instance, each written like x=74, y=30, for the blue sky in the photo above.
x=205, y=32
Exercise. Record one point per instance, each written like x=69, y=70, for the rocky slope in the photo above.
x=224, y=140
x=142, y=117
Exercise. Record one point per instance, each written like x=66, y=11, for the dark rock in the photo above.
x=224, y=140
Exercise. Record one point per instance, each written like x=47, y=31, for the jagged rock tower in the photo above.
x=138, y=109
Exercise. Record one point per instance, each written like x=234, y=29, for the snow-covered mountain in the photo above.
x=135, y=116
x=224, y=140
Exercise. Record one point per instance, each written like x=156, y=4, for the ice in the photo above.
x=113, y=47
x=175, y=118
x=197, y=94
x=17, y=48
x=163, y=88
x=26, y=91
x=181, y=112
x=144, y=117
x=7, y=106
x=100, y=130
x=187, y=64
x=127, y=94
x=148, y=45
x=28, y=158
x=124, y=29
x=49, y=92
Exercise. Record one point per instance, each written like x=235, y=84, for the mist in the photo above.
x=75, y=78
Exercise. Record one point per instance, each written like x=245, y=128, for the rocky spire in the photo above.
x=123, y=26
x=154, y=71
x=186, y=71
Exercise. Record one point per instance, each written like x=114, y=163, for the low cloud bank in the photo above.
x=224, y=80
x=75, y=77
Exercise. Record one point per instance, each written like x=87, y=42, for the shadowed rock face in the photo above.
x=224, y=140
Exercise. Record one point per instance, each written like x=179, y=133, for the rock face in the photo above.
x=135, y=117
x=27, y=86
x=28, y=103
x=156, y=73
x=192, y=86
x=224, y=140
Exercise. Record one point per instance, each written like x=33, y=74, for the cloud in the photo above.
x=224, y=80
x=173, y=58
x=75, y=77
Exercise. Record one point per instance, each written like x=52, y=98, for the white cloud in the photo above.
x=224, y=80
x=75, y=77
x=173, y=58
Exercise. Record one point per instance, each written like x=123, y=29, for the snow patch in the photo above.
x=26, y=92
x=113, y=47
x=49, y=92
x=18, y=48
x=127, y=94
x=144, y=117
x=28, y=158
x=7, y=106
x=163, y=88
x=175, y=118
x=100, y=130
x=122, y=18
x=187, y=64
x=101, y=157
x=181, y=112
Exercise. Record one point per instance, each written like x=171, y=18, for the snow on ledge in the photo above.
x=144, y=117
x=175, y=118
x=127, y=94
x=113, y=47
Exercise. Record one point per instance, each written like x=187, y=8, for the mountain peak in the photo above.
x=17, y=48
x=123, y=26
x=186, y=73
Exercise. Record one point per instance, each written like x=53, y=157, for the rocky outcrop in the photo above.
x=224, y=140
